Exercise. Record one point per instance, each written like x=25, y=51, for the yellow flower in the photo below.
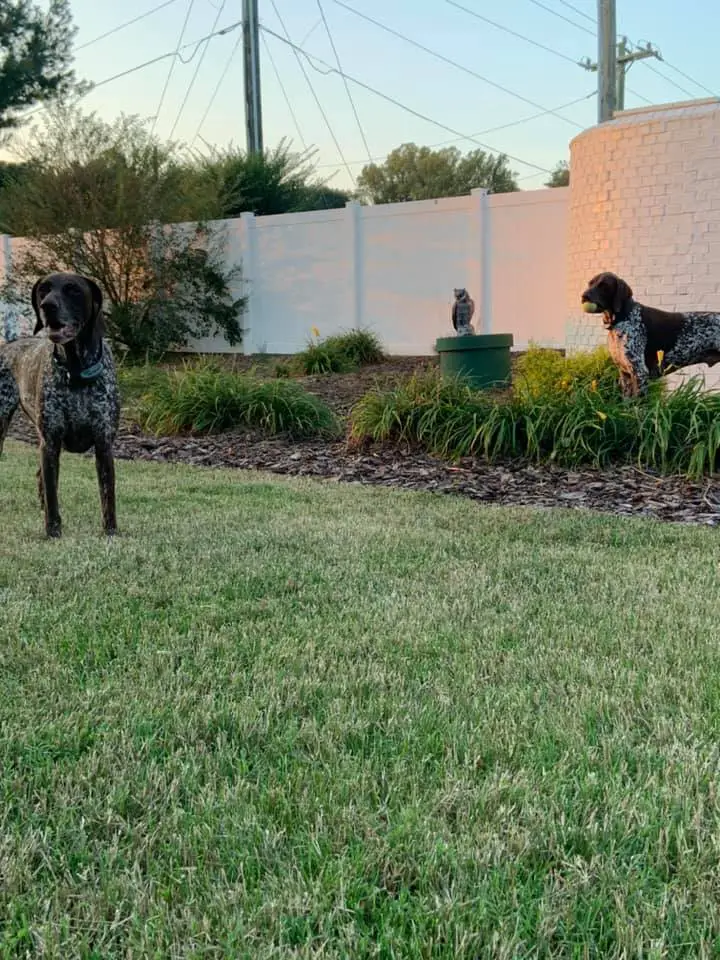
x=314, y=331
x=660, y=357
x=603, y=416
x=593, y=385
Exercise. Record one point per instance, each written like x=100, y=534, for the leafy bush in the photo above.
x=674, y=433
x=341, y=353
x=110, y=201
x=318, y=360
x=360, y=347
x=206, y=400
x=541, y=372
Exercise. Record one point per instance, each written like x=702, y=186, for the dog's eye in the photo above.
x=70, y=290
x=43, y=289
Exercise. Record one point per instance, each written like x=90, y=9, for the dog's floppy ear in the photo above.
x=623, y=293
x=97, y=302
x=36, y=307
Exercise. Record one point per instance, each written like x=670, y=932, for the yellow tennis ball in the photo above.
x=590, y=307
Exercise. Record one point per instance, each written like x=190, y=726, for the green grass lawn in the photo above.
x=282, y=719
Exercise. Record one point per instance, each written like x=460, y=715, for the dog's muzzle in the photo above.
x=589, y=305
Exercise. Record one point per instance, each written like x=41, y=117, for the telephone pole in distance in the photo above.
x=251, y=59
x=614, y=60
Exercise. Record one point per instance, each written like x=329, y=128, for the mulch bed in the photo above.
x=621, y=491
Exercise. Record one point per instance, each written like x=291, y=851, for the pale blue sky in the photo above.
x=686, y=33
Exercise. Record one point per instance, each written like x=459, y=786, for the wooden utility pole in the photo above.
x=251, y=57
x=611, y=68
x=607, y=62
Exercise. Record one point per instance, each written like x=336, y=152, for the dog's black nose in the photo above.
x=50, y=310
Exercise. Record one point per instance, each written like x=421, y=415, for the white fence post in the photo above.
x=253, y=314
x=482, y=236
x=357, y=279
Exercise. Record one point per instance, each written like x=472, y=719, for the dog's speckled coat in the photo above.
x=638, y=334
x=48, y=373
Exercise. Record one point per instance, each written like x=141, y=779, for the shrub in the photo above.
x=318, y=360
x=341, y=353
x=110, y=201
x=206, y=400
x=541, y=372
x=674, y=433
x=360, y=347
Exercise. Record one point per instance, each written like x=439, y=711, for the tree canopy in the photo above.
x=108, y=200
x=411, y=172
x=560, y=176
x=37, y=56
x=277, y=181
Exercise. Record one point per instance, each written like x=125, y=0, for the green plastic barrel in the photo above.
x=483, y=361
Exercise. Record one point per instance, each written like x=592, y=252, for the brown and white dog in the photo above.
x=647, y=343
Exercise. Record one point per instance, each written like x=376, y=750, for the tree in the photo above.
x=277, y=181
x=420, y=173
x=108, y=200
x=37, y=55
x=560, y=176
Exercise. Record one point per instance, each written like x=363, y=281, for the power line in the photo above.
x=122, y=26
x=521, y=36
x=217, y=87
x=677, y=85
x=384, y=96
x=298, y=51
x=649, y=66
x=339, y=66
x=513, y=33
x=270, y=57
x=688, y=77
x=172, y=67
x=310, y=32
x=669, y=80
x=452, y=63
x=480, y=133
x=149, y=63
x=561, y=16
x=577, y=10
x=197, y=68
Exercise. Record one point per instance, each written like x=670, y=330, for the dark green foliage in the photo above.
x=560, y=177
x=278, y=181
x=586, y=422
x=411, y=172
x=37, y=55
x=341, y=353
x=108, y=200
x=204, y=399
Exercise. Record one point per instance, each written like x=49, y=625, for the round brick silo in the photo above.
x=645, y=203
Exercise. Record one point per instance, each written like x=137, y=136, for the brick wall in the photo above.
x=645, y=203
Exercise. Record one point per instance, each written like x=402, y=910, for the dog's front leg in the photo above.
x=50, y=474
x=627, y=384
x=105, y=466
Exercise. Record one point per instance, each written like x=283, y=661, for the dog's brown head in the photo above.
x=68, y=304
x=608, y=294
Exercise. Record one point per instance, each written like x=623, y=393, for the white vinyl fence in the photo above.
x=392, y=268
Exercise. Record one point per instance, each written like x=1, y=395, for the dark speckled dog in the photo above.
x=65, y=382
x=646, y=343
